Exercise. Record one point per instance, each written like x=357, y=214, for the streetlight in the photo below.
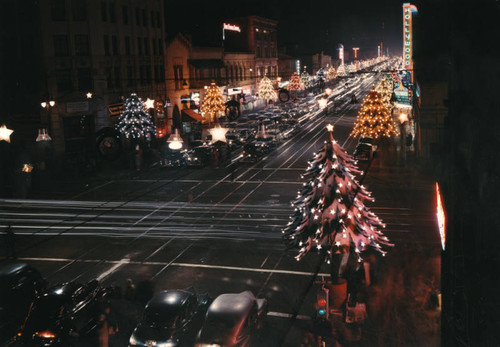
x=48, y=105
x=175, y=140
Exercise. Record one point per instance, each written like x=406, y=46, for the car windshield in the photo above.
x=165, y=316
x=48, y=307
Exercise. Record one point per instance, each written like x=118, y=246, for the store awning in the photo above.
x=206, y=63
x=189, y=115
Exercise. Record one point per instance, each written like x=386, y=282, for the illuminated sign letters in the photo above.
x=408, y=9
x=341, y=53
x=231, y=27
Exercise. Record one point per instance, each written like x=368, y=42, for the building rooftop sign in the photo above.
x=231, y=27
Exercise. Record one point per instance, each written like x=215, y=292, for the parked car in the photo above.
x=171, y=318
x=175, y=158
x=363, y=152
x=368, y=140
x=233, y=320
x=19, y=285
x=254, y=151
x=199, y=156
x=63, y=313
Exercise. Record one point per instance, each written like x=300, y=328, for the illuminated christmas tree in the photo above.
x=266, y=90
x=330, y=215
x=135, y=122
x=305, y=79
x=331, y=73
x=320, y=74
x=351, y=68
x=295, y=84
x=374, y=119
x=342, y=71
x=213, y=104
x=385, y=89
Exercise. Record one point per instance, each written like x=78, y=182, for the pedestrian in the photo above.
x=129, y=293
x=103, y=330
x=138, y=157
x=144, y=290
x=10, y=243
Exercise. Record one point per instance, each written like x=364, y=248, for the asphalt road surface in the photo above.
x=211, y=228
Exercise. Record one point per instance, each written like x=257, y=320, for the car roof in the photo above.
x=236, y=305
x=173, y=297
x=8, y=269
x=64, y=289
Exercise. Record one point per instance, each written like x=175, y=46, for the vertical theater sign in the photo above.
x=408, y=10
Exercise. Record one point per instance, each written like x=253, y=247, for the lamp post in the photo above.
x=403, y=117
x=47, y=123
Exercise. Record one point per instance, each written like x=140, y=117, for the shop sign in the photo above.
x=234, y=91
x=231, y=27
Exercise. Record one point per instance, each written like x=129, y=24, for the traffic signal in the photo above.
x=322, y=302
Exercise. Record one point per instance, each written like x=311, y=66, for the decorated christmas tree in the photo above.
x=385, y=89
x=305, y=79
x=330, y=214
x=351, y=68
x=320, y=74
x=295, y=82
x=213, y=104
x=266, y=90
x=342, y=71
x=135, y=122
x=374, y=119
x=331, y=73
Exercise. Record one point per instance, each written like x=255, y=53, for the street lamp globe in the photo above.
x=403, y=117
x=52, y=103
x=43, y=104
x=175, y=140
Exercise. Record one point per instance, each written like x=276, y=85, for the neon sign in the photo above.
x=355, y=49
x=341, y=53
x=408, y=9
x=441, y=217
x=231, y=27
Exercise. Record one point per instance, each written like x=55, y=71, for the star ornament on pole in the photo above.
x=149, y=103
x=5, y=133
x=329, y=128
x=218, y=134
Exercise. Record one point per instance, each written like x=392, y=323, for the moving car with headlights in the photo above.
x=175, y=158
x=171, y=318
x=19, y=285
x=63, y=313
x=233, y=320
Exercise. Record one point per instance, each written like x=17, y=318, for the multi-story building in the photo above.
x=255, y=35
x=92, y=54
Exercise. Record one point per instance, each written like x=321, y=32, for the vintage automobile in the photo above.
x=254, y=151
x=200, y=156
x=171, y=318
x=175, y=158
x=19, y=285
x=363, y=152
x=63, y=313
x=233, y=320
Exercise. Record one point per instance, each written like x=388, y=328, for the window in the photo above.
x=112, y=14
x=158, y=23
x=162, y=73
x=130, y=76
x=152, y=19
x=117, y=77
x=142, y=73
x=137, y=16
x=82, y=45
x=154, y=47
x=144, y=18
x=104, y=12
x=127, y=45
x=148, y=74
x=63, y=78
x=61, y=47
x=160, y=46
x=79, y=10
x=84, y=79
x=178, y=76
x=139, y=46
x=114, y=44
x=266, y=52
x=106, y=44
x=58, y=10
x=146, y=46
x=109, y=78
x=157, y=74
x=125, y=14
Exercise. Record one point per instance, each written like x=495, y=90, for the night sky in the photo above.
x=305, y=27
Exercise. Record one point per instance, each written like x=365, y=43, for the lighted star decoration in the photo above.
x=149, y=103
x=218, y=134
x=329, y=127
x=5, y=133
x=89, y=95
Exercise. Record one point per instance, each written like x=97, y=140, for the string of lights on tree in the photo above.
x=342, y=71
x=374, y=119
x=351, y=68
x=213, y=104
x=385, y=89
x=332, y=73
x=330, y=213
x=305, y=79
x=266, y=90
x=295, y=82
x=135, y=122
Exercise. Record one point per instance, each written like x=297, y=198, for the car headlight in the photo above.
x=133, y=341
x=166, y=344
